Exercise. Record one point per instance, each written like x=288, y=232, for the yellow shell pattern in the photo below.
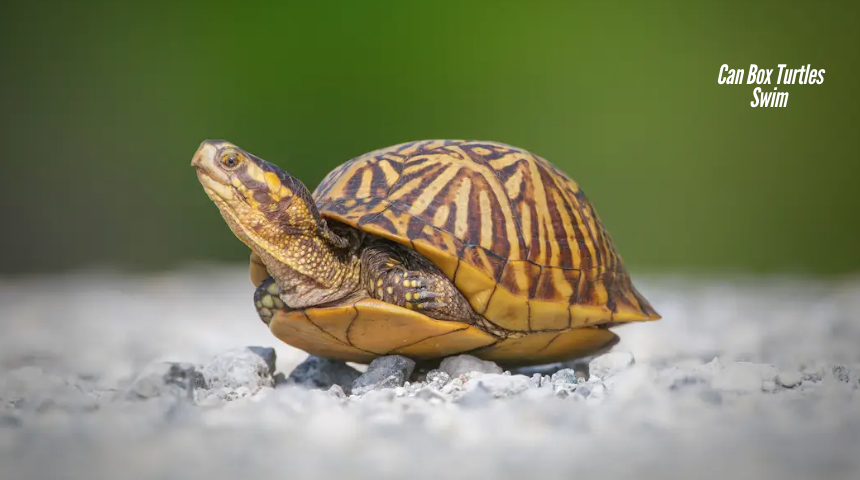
x=514, y=233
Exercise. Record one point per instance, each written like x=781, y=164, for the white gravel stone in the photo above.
x=250, y=368
x=789, y=379
x=610, y=364
x=463, y=364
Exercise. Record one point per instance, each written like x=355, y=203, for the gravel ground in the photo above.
x=744, y=378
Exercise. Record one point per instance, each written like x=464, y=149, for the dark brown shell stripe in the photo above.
x=506, y=212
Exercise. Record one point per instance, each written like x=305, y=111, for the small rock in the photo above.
x=336, y=391
x=499, y=385
x=251, y=367
x=384, y=372
x=565, y=375
x=610, y=363
x=437, y=377
x=813, y=373
x=323, y=373
x=769, y=386
x=580, y=366
x=789, y=379
x=166, y=378
x=841, y=373
x=462, y=364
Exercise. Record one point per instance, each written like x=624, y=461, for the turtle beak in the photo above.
x=208, y=173
x=204, y=158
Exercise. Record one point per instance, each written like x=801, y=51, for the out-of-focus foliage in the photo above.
x=103, y=105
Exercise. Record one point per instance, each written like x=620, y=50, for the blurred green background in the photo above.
x=103, y=105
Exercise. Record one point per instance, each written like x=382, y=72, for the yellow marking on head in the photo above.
x=256, y=172
x=379, y=283
x=408, y=295
x=406, y=283
x=390, y=290
x=236, y=182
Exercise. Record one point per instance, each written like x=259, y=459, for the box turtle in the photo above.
x=426, y=249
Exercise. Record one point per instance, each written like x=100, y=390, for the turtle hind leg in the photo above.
x=395, y=274
x=267, y=299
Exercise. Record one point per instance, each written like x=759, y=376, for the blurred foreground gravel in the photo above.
x=743, y=378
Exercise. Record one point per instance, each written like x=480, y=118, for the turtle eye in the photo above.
x=231, y=161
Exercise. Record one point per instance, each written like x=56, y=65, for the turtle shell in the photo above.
x=514, y=233
x=366, y=329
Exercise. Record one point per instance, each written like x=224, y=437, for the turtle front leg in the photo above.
x=397, y=275
x=267, y=299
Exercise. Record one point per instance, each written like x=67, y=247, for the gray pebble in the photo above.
x=437, y=377
x=580, y=366
x=565, y=375
x=323, y=373
x=384, y=372
x=166, y=379
x=841, y=373
x=610, y=364
x=463, y=364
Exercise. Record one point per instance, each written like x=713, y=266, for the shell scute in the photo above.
x=504, y=214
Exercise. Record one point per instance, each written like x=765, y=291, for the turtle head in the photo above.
x=263, y=204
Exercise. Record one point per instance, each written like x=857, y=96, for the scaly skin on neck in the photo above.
x=273, y=213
